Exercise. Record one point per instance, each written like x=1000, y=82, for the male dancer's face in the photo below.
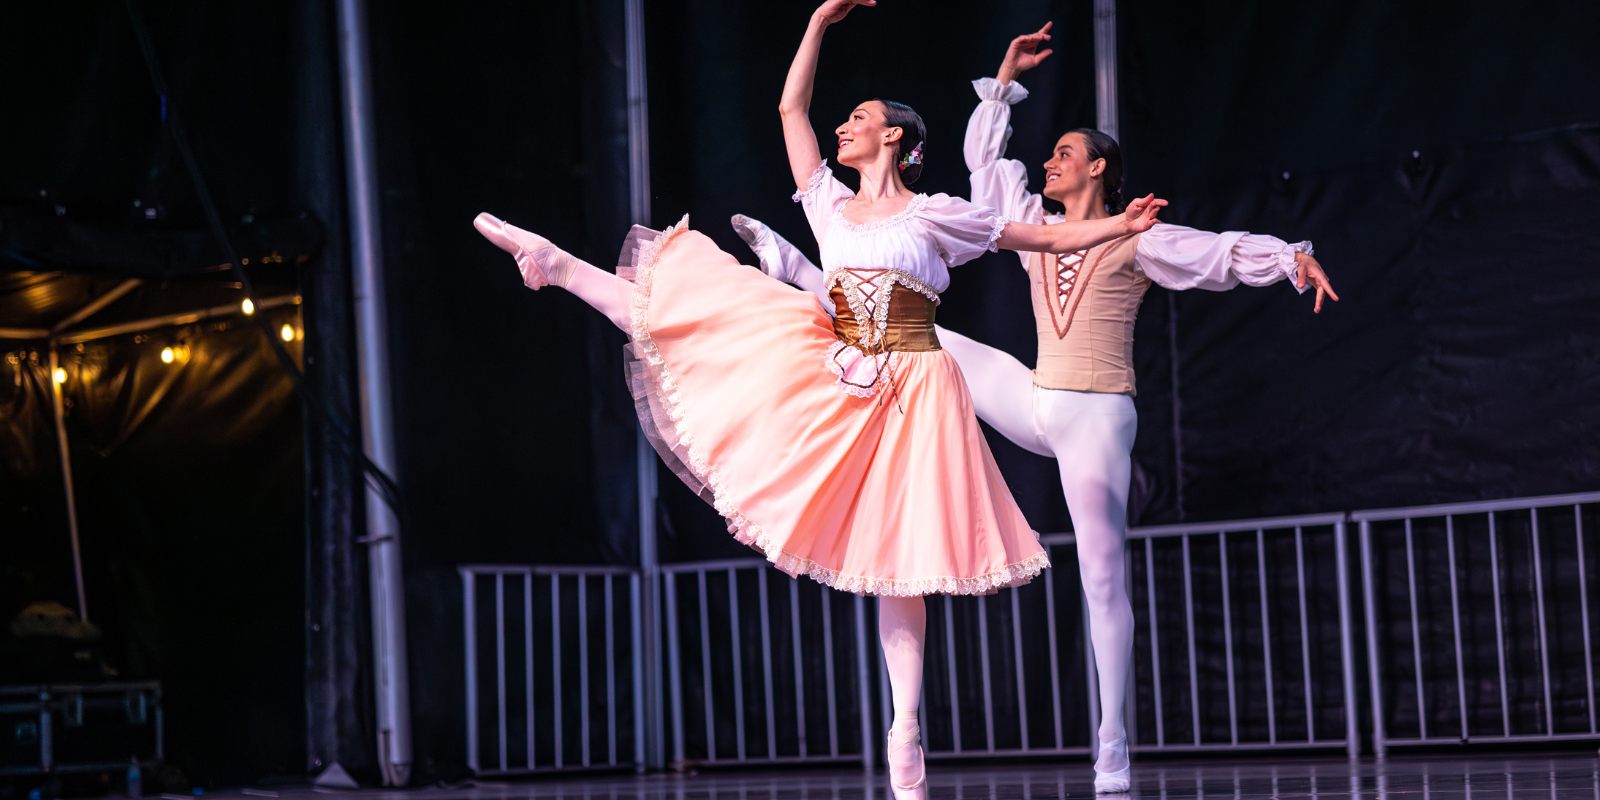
x=1069, y=172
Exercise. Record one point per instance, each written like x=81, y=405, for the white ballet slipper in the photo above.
x=906, y=783
x=1114, y=782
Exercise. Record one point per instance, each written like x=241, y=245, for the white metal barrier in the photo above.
x=1535, y=555
x=522, y=699
x=1245, y=641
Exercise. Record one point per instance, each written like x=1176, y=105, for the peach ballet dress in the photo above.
x=847, y=449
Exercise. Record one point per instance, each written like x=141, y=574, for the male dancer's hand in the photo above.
x=1309, y=269
x=1024, y=54
x=1141, y=213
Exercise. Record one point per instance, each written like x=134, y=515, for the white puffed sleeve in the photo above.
x=823, y=196
x=997, y=182
x=1179, y=258
x=960, y=230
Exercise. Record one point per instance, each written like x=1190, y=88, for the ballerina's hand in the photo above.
x=1024, y=54
x=1141, y=214
x=1307, y=268
x=834, y=10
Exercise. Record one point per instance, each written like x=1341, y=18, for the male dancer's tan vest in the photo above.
x=1086, y=337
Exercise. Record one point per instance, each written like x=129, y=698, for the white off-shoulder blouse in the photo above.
x=934, y=233
x=1173, y=256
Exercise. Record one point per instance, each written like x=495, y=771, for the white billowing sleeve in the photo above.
x=1179, y=258
x=960, y=230
x=823, y=195
x=998, y=182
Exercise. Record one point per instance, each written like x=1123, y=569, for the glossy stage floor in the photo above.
x=1565, y=776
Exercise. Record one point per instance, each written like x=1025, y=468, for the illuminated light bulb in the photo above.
x=287, y=333
x=167, y=355
x=248, y=306
x=61, y=375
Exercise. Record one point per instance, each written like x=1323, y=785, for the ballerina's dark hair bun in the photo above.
x=1103, y=146
x=914, y=134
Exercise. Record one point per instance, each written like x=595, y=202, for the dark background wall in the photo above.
x=1460, y=364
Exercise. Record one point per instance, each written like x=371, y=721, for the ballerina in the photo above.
x=843, y=449
x=1079, y=399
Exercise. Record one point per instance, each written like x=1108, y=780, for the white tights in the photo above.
x=1090, y=434
x=902, y=622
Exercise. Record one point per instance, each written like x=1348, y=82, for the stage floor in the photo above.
x=1564, y=776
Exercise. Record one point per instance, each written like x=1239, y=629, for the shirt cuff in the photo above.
x=1289, y=268
x=1008, y=93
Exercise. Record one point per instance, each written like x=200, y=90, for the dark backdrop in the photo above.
x=1458, y=366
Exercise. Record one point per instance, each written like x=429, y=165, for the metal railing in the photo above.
x=523, y=698
x=755, y=654
x=1246, y=638
x=1466, y=679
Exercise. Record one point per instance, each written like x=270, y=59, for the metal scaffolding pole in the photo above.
x=377, y=429
x=649, y=564
x=66, y=480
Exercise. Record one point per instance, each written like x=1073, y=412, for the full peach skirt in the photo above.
x=895, y=494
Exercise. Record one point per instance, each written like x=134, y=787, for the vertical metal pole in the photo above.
x=669, y=590
x=558, y=738
x=611, y=673
x=1583, y=599
x=766, y=664
x=1347, y=644
x=377, y=427
x=827, y=672
x=705, y=666
x=1227, y=638
x=737, y=654
x=799, y=671
x=636, y=631
x=469, y=624
x=1266, y=636
x=950, y=663
x=1416, y=631
x=863, y=688
x=500, y=664
x=988, y=692
x=644, y=454
x=1188, y=618
x=1455, y=621
x=1544, y=642
x=1105, y=65
x=1155, y=639
x=1055, y=661
x=527, y=642
x=59, y=407
x=1022, y=688
x=1374, y=674
x=1305, y=632
x=1499, y=623
x=583, y=669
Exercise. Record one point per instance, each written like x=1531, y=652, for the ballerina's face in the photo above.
x=1070, y=171
x=865, y=137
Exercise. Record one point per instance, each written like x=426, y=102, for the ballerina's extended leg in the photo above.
x=543, y=264
x=902, y=621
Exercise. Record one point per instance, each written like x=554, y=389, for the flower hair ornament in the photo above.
x=913, y=157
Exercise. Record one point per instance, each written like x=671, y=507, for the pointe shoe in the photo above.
x=917, y=789
x=1114, y=782
x=519, y=243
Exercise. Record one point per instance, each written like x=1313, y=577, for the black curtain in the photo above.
x=515, y=431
